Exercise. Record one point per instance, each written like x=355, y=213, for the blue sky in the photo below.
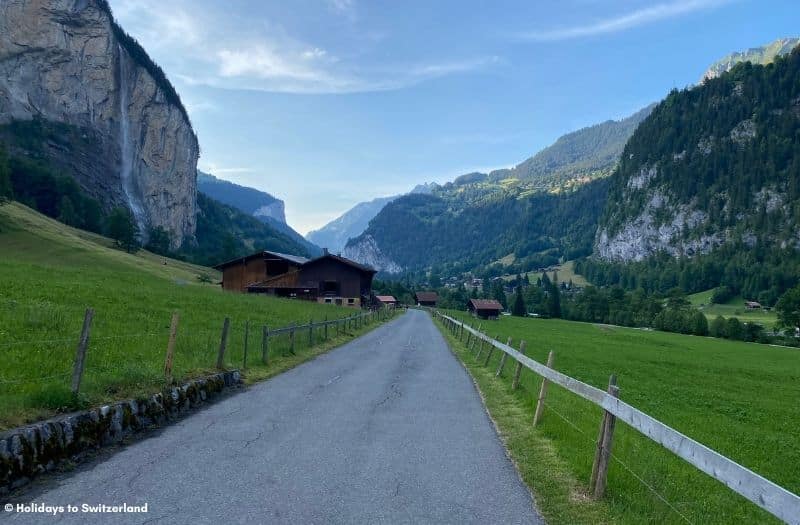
x=327, y=103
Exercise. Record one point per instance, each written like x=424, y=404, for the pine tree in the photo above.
x=122, y=228
x=519, y=304
x=67, y=213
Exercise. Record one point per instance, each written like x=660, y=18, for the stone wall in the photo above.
x=28, y=451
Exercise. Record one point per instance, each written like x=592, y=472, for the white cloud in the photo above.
x=625, y=21
x=217, y=49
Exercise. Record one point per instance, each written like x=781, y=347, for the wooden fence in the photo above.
x=769, y=496
x=313, y=330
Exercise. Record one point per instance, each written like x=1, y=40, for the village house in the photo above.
x=485, y=308
x=387, y=301
x=426, y=298
x=326, y=279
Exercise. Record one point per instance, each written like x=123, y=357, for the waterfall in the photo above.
x=126, y=147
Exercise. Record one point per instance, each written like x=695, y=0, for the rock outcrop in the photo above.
x=65, y=61
x=366, y=251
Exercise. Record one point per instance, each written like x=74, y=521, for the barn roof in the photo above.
x=291, y=258
x=343, y=260
x=386, y=298
x=427, y=296
x=486, y=304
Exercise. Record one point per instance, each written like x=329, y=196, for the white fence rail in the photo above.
x=769, y=496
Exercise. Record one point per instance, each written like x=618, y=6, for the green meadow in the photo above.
x=732, y=308
x=740, y=399
x=51, y=273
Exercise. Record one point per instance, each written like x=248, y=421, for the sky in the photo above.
x=327, y=103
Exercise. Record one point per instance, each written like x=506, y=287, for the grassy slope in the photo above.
x=733, y=308
x=51, y=273
x=738, y=398
x=565, y=273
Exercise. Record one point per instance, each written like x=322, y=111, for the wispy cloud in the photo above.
x=639, y=17
x=217, y=49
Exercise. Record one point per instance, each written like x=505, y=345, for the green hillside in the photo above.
x=737, y=398
x=52, y=273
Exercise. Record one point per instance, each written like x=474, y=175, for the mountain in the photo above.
x=708, y=189
x=449, y=230
x=353, y=222
x=582, y=155
x=249, y=200
x=224, y=233
x=757, y=55
x=128, y=140
x=565, y=167
x=253, y=202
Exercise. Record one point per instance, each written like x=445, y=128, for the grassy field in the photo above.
x=52, y=273
x=737, y=398
x=733, y=308
x=566, y=272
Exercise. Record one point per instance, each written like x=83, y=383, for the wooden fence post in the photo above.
x=246, y=336
x=326, y=327
x=518, y=369
x=491, y=351
x=291, y=339
x=480, y=348
x=602, y=457
x=223, y=343
x=173, y=333
x=310, y=333
x=265, y=344
x=80, y=353
x=503, y=359
x=537, y=416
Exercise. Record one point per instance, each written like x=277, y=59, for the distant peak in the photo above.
x=757, y=55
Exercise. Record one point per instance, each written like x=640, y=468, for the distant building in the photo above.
x=386, y=300
x=427, y=298
x=485, y=308
x=326, y=279
x=752, y=305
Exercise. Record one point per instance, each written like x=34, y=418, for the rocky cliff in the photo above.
x=365, y=250
x=714, y=165
x=67, y=61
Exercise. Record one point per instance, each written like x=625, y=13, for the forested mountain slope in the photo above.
x=713, y=175
x=462, y=231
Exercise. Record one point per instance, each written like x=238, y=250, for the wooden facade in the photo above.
x=326, y=279
x=485, y=308
x=427, y=298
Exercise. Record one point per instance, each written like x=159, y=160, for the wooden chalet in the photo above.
x=485, y=308
x=326, y=279
x=426, y=298
x=387, y=301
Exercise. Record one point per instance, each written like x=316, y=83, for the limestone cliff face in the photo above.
x=366, y=251
x=61, y=60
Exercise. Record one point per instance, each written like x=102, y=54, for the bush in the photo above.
x=718, y=327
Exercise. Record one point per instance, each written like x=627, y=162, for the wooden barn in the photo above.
x=485, y=308
x=387, y=301
x=427, y=298
x=326, y=279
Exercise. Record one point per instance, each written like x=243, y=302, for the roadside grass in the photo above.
x=738, y=398
x=733, y=308
x=560, y=497
x=52, y=273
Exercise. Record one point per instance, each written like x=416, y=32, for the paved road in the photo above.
x=386, y=429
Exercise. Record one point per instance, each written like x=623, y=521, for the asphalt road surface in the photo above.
x=385, y=429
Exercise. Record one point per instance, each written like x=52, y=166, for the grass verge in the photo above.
x=560, y=497
x=737, y=398
x=52, y=273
